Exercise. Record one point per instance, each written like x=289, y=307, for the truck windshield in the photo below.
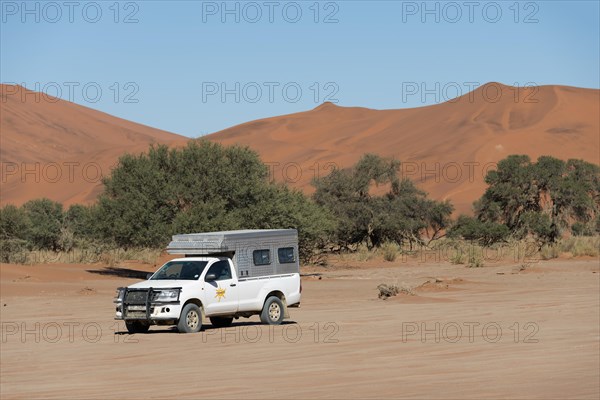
x=182, y=270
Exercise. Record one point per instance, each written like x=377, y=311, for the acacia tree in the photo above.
x=543, y=198
x=45, y=223
x=372, y=204
x=14, y=223
x=203, y=186
x=485, y=232
x=14, y=233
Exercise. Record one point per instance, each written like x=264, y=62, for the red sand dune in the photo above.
x=57, y=149
x=445, y=148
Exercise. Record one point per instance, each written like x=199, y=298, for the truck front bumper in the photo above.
x=138, y=304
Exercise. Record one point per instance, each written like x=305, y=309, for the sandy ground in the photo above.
x=492, y=332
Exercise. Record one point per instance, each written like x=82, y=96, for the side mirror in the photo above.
x=210, y=277
x=148, y=276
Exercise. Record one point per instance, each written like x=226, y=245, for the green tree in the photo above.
x=283, y=207
x=484, y=232
x=14, y=223
x=79, y=219
x=46, y=218
x=201, y=187
x=511, y=192
x=372, y=204
x=14, y=232
x=543, y=198
x=145, y=193
x=577, y=194
x=437, y=218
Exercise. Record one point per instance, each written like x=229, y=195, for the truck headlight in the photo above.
x=166, y=295
x=119, y=295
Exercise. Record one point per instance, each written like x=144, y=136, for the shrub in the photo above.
x=45, y=218
x=475, y=257
x=386, y=291
x=66, y=239
x=581, y=229
x=390, y=251
x=486, y=233
x=13, y=251
x=363, y=253
x=14, y=223
x=540, y=226
x=80, y=220
x=549, y=251
x=458, y=257
x=581, y=246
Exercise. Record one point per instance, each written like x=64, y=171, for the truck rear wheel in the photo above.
x=190, y=320
x=221, y=322
x=272, y=312
x=137, y=327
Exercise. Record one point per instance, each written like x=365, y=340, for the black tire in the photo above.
x=221, y=322
x=137, y=326
x=190, y=320
x=272, y=312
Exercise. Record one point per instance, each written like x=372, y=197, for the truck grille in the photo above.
x=136, y=297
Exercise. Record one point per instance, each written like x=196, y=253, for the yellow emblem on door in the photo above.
x=220, y=294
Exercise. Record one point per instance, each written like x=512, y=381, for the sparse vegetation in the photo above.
x=580, y=246
x=543, y=199
x=575, y=246
x=372, y=205
x=549, y=251
x=363, y=253
x=386, y=291
x=13, y=251
x=90, y=254
x=365, y=211
x=484, y=232
x=148, y=197
x=458, y=257
x=390, y=251
x=475, y=262
x=524, y=266
x=406, y=289
x=199, y=188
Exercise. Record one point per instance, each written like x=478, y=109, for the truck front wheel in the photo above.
x=137, y=327
x=272, y=312
x=190, y=320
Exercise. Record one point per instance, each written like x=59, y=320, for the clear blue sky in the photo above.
x=175, y=57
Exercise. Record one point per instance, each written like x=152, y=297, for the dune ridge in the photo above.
x=58, y=149
x=445, y=148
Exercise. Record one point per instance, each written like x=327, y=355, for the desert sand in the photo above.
x=58, y=149
x=491, y=332
x=446, y=148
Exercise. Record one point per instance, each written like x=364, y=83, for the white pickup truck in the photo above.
x=224, y=275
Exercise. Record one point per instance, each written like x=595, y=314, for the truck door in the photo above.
x=221, y=295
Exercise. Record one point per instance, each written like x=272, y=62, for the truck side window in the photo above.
x=221, y=269
x=262, y=257
x=286, y=255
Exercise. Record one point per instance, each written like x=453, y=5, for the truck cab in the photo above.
x=185, y=291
